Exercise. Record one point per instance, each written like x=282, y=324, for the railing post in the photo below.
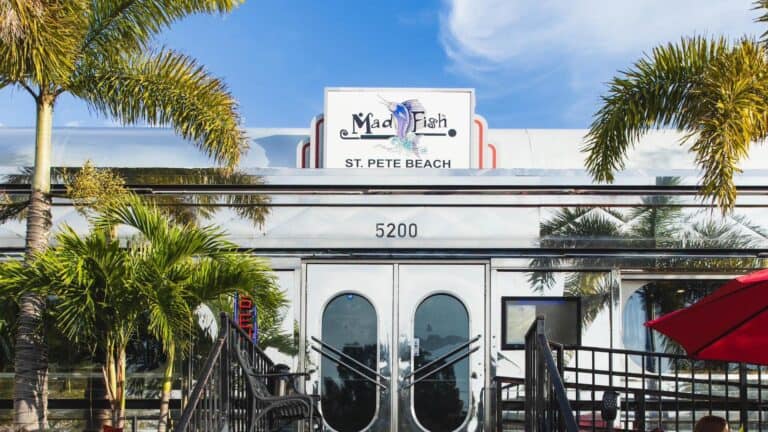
x=560, y=368
x=743, y=398
x=224, y=372
x=498, y=412
x=541, y=405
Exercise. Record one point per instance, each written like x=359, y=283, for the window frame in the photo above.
x=505, y=346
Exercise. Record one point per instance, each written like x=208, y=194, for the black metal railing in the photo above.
x=509, y=403
x=652, y=390
x=221, y=398
x=665, y=391
x=546, y=402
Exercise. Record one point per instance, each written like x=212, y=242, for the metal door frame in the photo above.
x=382, y=401
x=395, y=322
x=476, y=320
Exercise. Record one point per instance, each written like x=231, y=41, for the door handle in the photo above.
x=436, y=370
x=348, y=366
x=444, y=356
x=347, y=357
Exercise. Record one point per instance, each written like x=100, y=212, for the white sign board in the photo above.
x=398, y=128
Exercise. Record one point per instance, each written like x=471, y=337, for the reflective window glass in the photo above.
x=441, y=400
x=348, y=399
x=653, y=300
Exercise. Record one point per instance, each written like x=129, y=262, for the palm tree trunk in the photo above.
x=110, y=380
x=115, y=381
x=30, y=394
x=165, y=398
x=121, y=385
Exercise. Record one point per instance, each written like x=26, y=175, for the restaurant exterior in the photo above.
x=417, y=245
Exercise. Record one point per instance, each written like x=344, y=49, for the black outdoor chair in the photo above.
x=282, y=409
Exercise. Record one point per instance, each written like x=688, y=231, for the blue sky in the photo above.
x=534, y=63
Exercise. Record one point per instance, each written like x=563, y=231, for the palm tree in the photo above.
x=713, y=90
x=97, y=306
x=100, y=51
x=178, y=268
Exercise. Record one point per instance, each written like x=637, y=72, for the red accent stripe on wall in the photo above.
x=493, y=154
x=480, y=141
x=317, y=142
x=304, y=154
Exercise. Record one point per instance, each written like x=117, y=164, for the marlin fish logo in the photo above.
x=402, y=114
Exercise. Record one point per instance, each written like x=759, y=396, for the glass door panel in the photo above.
x=440, y=362
x=348, y=387
x=349, y=332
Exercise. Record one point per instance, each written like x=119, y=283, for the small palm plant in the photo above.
x=102, y=288
x=176, y=268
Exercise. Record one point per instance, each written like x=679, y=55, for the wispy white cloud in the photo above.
x=510, y=46
x=73, y=124
x=481, y=35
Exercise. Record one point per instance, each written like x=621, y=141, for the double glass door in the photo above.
x=396, y=346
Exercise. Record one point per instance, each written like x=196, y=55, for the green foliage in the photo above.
x=93, y=188
x=167, y=88
x=100, y=51
x=128, y=26
x=38, y=40
x=180, y=266
x=101, y=290
x=714, y=90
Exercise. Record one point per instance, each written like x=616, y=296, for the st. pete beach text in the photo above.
x=397, y=163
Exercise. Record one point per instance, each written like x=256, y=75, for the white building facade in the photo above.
x=414, y=262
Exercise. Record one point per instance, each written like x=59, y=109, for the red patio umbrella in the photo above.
x=731, y=324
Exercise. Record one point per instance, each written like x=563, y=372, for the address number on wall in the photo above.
x=396, y=230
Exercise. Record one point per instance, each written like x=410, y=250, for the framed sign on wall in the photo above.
x=398, y=128
x=562, y=319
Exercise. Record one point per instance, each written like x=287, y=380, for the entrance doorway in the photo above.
x=396, y=346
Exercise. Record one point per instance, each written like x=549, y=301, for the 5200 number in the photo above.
x=399, y=230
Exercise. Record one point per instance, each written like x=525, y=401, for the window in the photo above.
x=348, y=399
x=562, y=315
x=441, y=398
x=652, y=300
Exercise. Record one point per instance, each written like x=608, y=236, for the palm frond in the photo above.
x=39, y=39
x=12, y=207
x=594, y=288
x=655, y=92
x=170, y=315
x=120, y=26
x=88, y=280
x=15, y=277
x=168, y=88
x=712, y=90
x=762, y=5
x=732, y=113
x=135, y=213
